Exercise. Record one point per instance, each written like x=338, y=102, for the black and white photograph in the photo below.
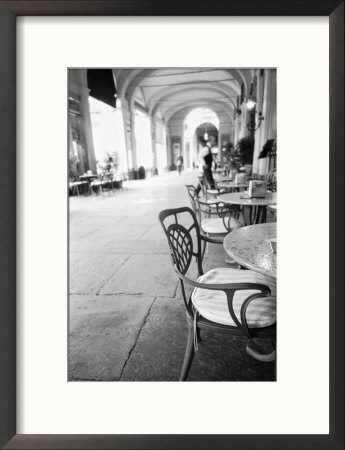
x=140, y=224
x=172, y=224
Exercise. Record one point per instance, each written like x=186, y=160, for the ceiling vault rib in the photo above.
x=164, y=91
x=186, y=83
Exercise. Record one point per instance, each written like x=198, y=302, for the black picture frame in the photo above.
x=8, y=12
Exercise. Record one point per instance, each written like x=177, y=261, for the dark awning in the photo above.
x=102, y=86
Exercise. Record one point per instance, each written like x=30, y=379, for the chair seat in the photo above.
x=211, y=200
x=96, y=183
x=216, y=225
x=77, y=183
x=212, y=305
x=215, y=191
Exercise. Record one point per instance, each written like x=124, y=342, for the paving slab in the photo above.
x=159, y=351
x=118, y=232
x=102, y=332
x=135, y=328
x=155, y=233
x=223, y=358
x=90, y=272
x=100, y=220
x=79, y=231
x=86, y=245
x=145, y=219
x=140, y=246
x=142, y=274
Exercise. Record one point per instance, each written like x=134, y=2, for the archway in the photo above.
x=142, y=133
x=198, y=125
x=202, y=134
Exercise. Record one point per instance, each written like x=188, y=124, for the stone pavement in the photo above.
x=126, y=315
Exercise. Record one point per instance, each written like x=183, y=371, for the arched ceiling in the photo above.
x=166, y=99
x=167, y=91
x=181, y=111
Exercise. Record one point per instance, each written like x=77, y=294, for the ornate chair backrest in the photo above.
x=212, y=210
x=194, y=200
x=181, y=243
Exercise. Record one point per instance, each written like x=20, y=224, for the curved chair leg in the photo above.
x=203, y=250
x=198, y=334
x=268, y=357
x=273, y=341
x=206, y=245
x=188, y=356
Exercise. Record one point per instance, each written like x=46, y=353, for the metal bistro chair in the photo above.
x=237, y=302
x=272, y=180
x=210, y=194
x=215, y=219
x=107, y=181
x=76, y=185
x=96, y=186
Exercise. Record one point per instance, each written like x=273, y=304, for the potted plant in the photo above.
x=110, y=162
x=73, y=167
x=245, y=148
x=268, y=150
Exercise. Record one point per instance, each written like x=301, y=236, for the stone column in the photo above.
x=169, y=145
x=260, y=95
x=85, y=111
x=236, y=129
x=225, y=136
x=70, y=139
x=188, y=148
x=268, y=128
x=121, y=138
x=132, y=136
x=128, y=133
x=153, y=144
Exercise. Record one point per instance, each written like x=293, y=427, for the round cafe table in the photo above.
x=249, y=247
x=231, y=185
x=256, y=206
x=88, y=178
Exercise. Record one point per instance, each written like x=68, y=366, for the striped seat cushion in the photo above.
x=212, y=200
x=213, y=305
x=216, y=226
x=215, y=191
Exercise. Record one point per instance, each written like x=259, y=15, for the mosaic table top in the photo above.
x=249, y=247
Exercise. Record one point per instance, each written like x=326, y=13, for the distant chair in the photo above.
x=107, y=181
x=272, y=180
x=75, y=185
x=214, y=218
x=210, y=194
x=237, y=302
x=96, y=185
x=125, y=180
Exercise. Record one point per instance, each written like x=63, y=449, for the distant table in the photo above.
x=224, y=184
x=218, y=177
x=249, y=247
x=89, y=179
x=222, y=170
x=257, y=210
